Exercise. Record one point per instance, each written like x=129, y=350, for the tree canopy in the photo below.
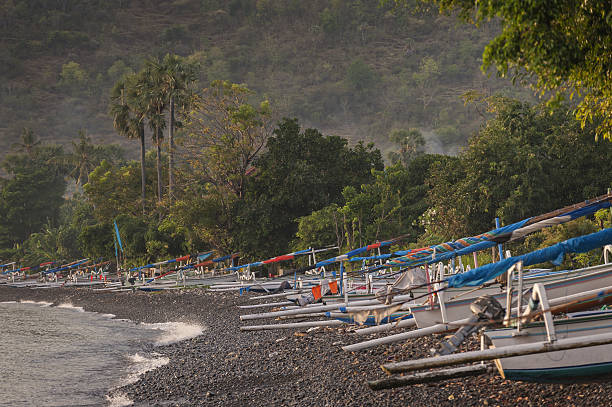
x=300, y=172
x=564, y=47
x=524, y=162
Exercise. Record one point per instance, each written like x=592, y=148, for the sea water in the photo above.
x=63, y=356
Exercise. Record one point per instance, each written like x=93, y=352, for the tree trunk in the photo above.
x=159, y=172
x=171, y=152
x=143, y=179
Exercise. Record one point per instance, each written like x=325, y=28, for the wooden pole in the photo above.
x=316, y=314
x=342, y=279
x=428, y=377
x=286, y=293
x=429, y=295
x=500, y=247
x=417, y=333
x=499, y=353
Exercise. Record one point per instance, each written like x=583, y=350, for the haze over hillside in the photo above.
x=349, y=68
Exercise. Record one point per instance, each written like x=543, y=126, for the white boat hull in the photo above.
x=582, y=364
x=558, y=285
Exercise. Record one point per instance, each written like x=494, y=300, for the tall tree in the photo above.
x=154, y=96
x=300, y=172
x=411, y=144
x=33, y=194
x=113, y=188
x=128, y=112
x=226, y=132
x=86, y=156
x=177, y=78
x=28, y=142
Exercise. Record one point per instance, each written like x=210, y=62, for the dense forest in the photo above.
x=206, y=125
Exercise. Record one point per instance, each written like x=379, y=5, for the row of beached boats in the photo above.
x=534, y=324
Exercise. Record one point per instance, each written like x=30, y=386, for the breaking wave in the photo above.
x=118, y=400
x=68, y=305
x=142, y=365
x=174, y=332
x=41, y=303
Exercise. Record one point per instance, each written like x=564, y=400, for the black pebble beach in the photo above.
x=227, y=367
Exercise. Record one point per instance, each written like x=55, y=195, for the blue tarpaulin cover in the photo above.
x=553, y=253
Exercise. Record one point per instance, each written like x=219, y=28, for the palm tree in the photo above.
x=128, y=114
x=154, y=98
x=177, y=77
x=83, y=159
x=28, y=143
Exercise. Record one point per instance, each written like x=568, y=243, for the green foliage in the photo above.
x=523, y=163
x=59, y=41
x=425, y=79
x=32, y=195
x=73, y=78
x=97, y=241
x=114, y=189
x=86, y=156
x=388, y=206
x=118, y=70
x=550, y=236
x=61, y=242
x=411, y=143
x=225, y=134
x=204, y=217
x=564, y=48
x=298, y=53
x=320, y=228
x=166, y=239
x=300, y=172
x=360, y=76
x=174, y=33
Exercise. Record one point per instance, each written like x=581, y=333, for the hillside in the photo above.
x=349, y=68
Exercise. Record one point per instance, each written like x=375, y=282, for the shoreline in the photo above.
x=227, y=367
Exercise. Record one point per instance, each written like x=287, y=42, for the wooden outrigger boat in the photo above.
x=491, y=271
x=583, y=364
x=557, y=285
x=577, y=348
x=450, y=250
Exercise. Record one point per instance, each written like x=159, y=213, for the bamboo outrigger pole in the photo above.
x=498, y=353
x=428, y=377
x=592, y=297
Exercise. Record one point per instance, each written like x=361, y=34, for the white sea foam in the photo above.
x=118, y=400
x=143, y=364
x=108, y=315
x=8, y=302
x=68, y=305
x=175, y=331
x=41, y=303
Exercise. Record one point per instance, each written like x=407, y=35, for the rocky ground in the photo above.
x=227, y=367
